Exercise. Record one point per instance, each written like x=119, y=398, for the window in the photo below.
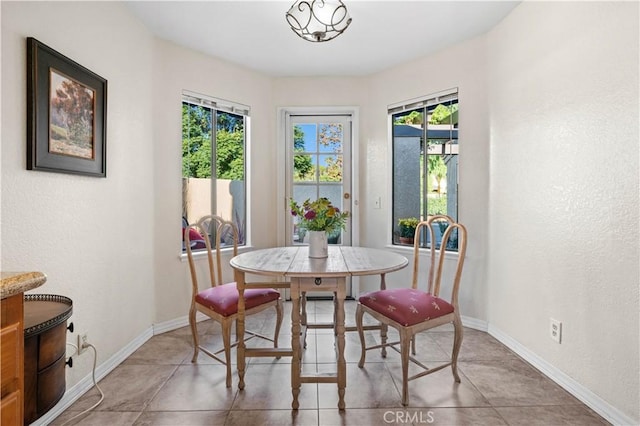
x=424, y=136
x=213, y=133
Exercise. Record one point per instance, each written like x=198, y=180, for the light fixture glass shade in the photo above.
x=318, y=20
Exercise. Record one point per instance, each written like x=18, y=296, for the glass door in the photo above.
x=319, y=165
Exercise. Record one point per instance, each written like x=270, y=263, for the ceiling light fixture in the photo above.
x=318, y=20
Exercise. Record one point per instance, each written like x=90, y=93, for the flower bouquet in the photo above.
x=319, y=216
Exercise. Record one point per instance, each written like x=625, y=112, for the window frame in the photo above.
x=422, y=104
x=218, y=106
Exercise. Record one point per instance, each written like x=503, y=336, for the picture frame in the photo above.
x=66, y=114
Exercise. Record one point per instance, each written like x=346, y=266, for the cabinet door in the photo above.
x=10, y=355
x=11, y=360
x=11, y=410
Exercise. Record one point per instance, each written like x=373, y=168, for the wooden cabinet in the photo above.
x=11, y=355
x=45, y=331
x=12, y=288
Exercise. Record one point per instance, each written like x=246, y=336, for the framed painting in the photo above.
x=66, y=114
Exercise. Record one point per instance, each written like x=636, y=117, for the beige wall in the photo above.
x=198, y=197
x=563, y=233
x=92, y=237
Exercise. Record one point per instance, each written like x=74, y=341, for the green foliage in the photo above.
x=196, y=143
x=196, y=158
x=414, y=117
x=436, y=205
x=437, y=168
x=443, y=114
x=302, y=165
x=408, y=226
x=229, y=122
x=229, y=155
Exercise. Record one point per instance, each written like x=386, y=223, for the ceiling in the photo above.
x=255, y=34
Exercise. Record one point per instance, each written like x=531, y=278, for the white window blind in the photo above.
x=424, y=101
x=214, y=103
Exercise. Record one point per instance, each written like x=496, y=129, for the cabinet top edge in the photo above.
x=12, y=283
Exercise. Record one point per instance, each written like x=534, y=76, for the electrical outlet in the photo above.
x=555, y=329
x=83, y=340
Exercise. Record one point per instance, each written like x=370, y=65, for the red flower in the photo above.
x=310, y=214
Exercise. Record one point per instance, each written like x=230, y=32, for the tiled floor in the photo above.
x=158, y=385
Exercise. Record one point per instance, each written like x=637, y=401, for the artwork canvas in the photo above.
x=72, y=109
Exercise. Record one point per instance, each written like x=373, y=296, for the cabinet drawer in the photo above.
x=319, y=284
x=52, y=345
x=51, y=385
x=10, y=356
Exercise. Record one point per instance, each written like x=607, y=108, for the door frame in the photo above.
x=282, y=158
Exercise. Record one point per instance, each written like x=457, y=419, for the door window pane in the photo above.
x=317, y=167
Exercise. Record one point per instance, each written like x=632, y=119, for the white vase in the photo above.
x=318, y=245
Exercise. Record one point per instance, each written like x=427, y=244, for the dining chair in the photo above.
x=413, y=310
x=220, y=301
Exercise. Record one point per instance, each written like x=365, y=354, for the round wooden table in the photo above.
x=307, y=274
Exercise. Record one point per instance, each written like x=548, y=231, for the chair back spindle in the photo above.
x=437, y=253
x=211, y=227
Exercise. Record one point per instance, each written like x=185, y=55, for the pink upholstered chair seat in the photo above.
x=223, y=299
x=406, y=306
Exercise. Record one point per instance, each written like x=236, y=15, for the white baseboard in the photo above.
x=474, y=323
x=174, y=324
x=590, y=399
x=84, y=385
